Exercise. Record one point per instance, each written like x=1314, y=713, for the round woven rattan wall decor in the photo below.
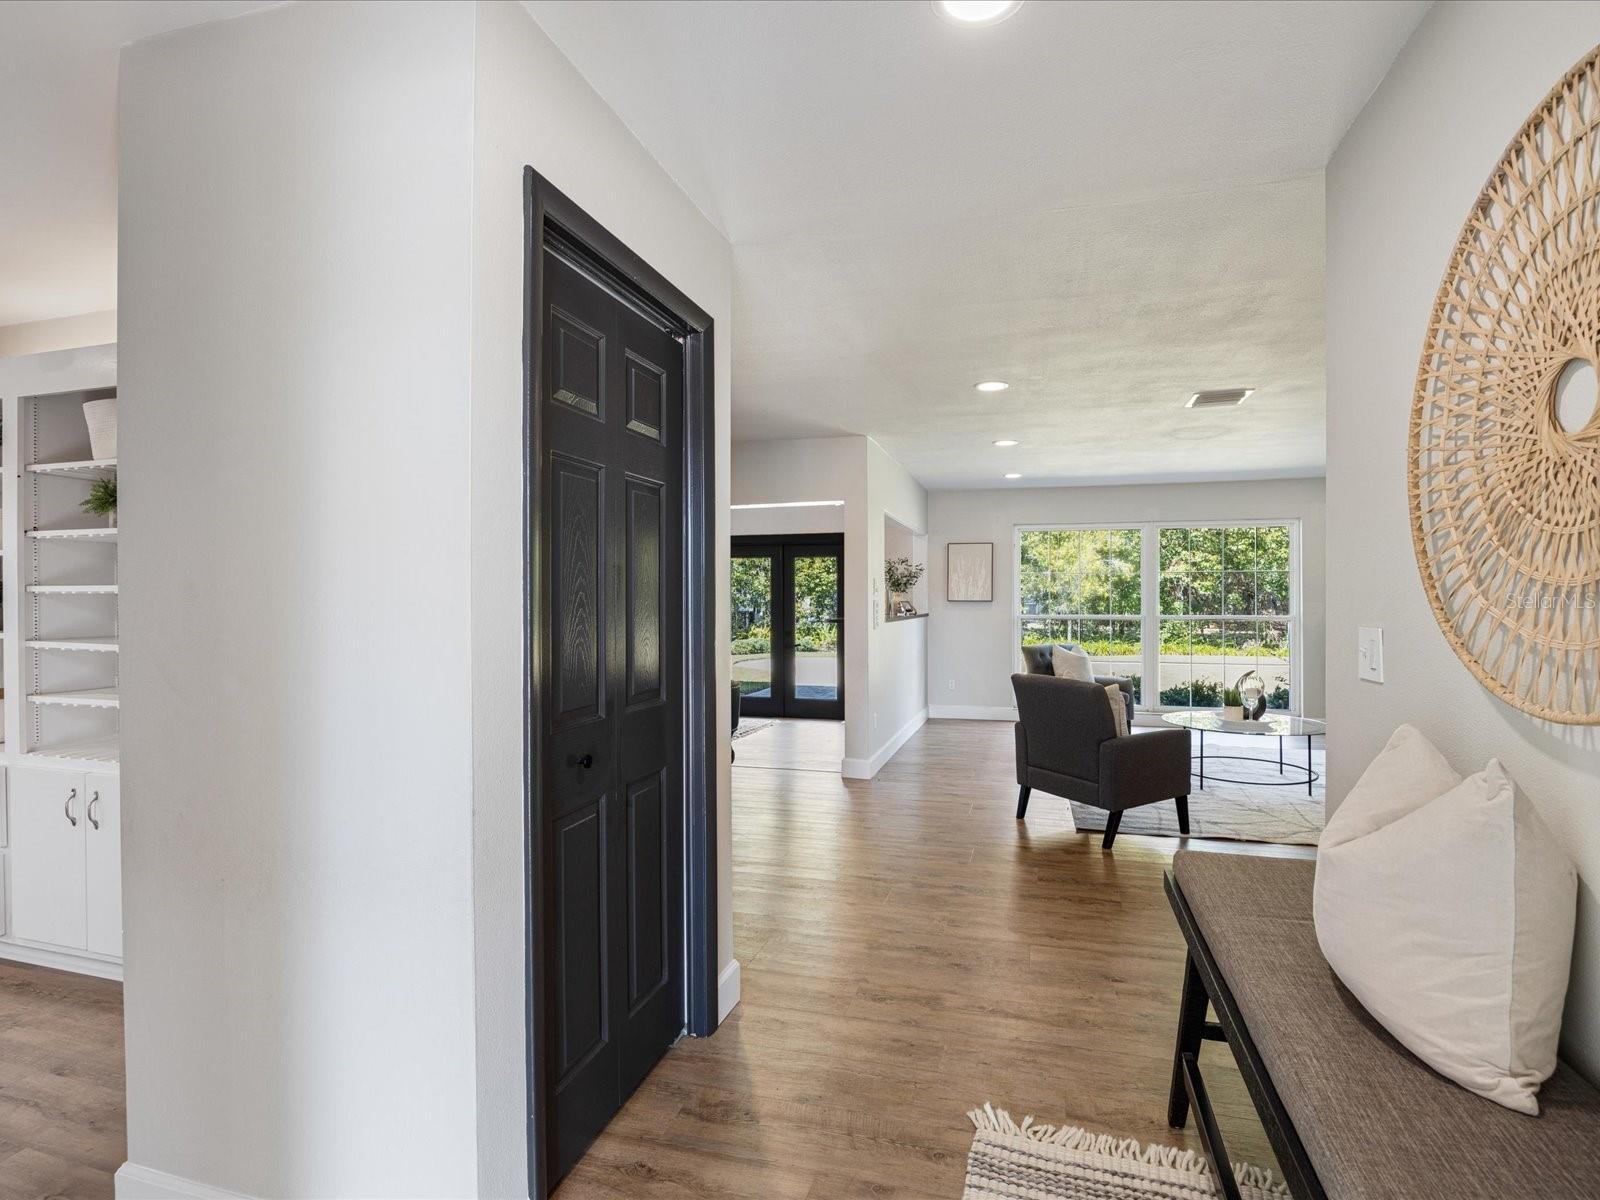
x=1504, y=484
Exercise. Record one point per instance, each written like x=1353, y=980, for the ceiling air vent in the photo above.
x=1220, y=398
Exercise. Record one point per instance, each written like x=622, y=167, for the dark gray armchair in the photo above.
x=1067, y=745
x=1040, y=661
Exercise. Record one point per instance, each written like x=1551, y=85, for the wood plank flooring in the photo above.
x=910, y=951
x=61, y=1084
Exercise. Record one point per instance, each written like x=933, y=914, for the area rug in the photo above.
x=1286, y=816
x=1042, y=1162
x=747, y=726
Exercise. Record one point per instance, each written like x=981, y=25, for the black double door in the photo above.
x=788, y=625
x=611, y=804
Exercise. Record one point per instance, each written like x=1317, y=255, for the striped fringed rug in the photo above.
x=1041, y=1162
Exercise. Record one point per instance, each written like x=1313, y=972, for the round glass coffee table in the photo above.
x=1278, y=725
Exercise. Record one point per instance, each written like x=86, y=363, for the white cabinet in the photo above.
x=103, y=856
x=66, y=859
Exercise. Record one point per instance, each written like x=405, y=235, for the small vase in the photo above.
x=1233, y=712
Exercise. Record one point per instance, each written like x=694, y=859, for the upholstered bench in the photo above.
x=1352, y=1115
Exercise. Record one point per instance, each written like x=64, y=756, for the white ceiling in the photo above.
x=58, y=110
x=1109, y=205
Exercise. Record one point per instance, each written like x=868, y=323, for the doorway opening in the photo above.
x=619, y=600
x=787, y=609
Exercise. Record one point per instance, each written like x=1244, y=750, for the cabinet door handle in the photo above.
x=67, y=807
x=89, y=812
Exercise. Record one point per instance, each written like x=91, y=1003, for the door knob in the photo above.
x=585, y=762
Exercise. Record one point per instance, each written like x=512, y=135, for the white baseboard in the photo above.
x=39, y=956
x=727, y=990
x=866, y=768
x=145, y=1183
x=971, y=712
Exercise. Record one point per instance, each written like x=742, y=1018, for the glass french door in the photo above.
x=788, y=625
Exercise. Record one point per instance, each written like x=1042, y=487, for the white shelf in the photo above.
x=101, y=644
x=95, y=750
x=99, y=468
x=89, y=698
x=95, y=533
x=73, y=589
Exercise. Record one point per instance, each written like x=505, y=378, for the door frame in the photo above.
x=549, y=215
x=781, y=549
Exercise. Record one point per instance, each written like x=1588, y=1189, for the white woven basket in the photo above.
x=101, y=417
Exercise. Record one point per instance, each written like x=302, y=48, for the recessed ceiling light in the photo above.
x=1220, y=398
x=976, y=12
x=993, y=385
x=1013, y=474
x=1006, y=442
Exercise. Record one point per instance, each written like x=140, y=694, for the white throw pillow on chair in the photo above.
x=1447, y=907
x=1119, y=708
x=1071, y=664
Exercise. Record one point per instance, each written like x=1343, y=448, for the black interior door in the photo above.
x=611, y=613
x=788, y=635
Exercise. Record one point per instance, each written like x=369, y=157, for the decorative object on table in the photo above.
x=904, y=608
x=1232, y=706
x=1252, y=691
x=102, y=500
x=1448, y=908
x=901, y=575
x=101, y=418
x=1501, y=473
x=969, y=572
x=1009, y=1161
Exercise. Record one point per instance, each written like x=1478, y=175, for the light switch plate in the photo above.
x=1369, y=654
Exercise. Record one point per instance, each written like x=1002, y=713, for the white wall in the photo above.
x=295, y=229
x=59, y=333
x=897, y=667
x=1399, y=188
x=533, y=108
x=885, y=684
x=975, y=645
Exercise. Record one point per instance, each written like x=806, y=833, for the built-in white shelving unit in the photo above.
x=60, y=787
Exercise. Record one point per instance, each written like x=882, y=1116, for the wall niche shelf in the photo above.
x=87, y=698
x=89, y=644
x=94, y=533
x=89, y=468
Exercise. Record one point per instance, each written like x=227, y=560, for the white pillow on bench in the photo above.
x=1447, y=907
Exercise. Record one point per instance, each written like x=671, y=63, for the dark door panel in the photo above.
x=612, y=802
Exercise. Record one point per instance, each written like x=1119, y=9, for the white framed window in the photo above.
x=1182, y=608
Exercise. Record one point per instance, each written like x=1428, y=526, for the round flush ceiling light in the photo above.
x=1006, y=442
x=1013, y=474
x=992, y=385
x=976, y=12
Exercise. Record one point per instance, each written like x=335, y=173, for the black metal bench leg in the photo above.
x=1191, y=1030
x=1211, y=1142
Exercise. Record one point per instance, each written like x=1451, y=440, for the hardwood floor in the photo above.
x=61, y=1084
x=909, y=951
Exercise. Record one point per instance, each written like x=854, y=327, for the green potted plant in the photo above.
x=102, y=500
x=1232, y=705
x=901, y=575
